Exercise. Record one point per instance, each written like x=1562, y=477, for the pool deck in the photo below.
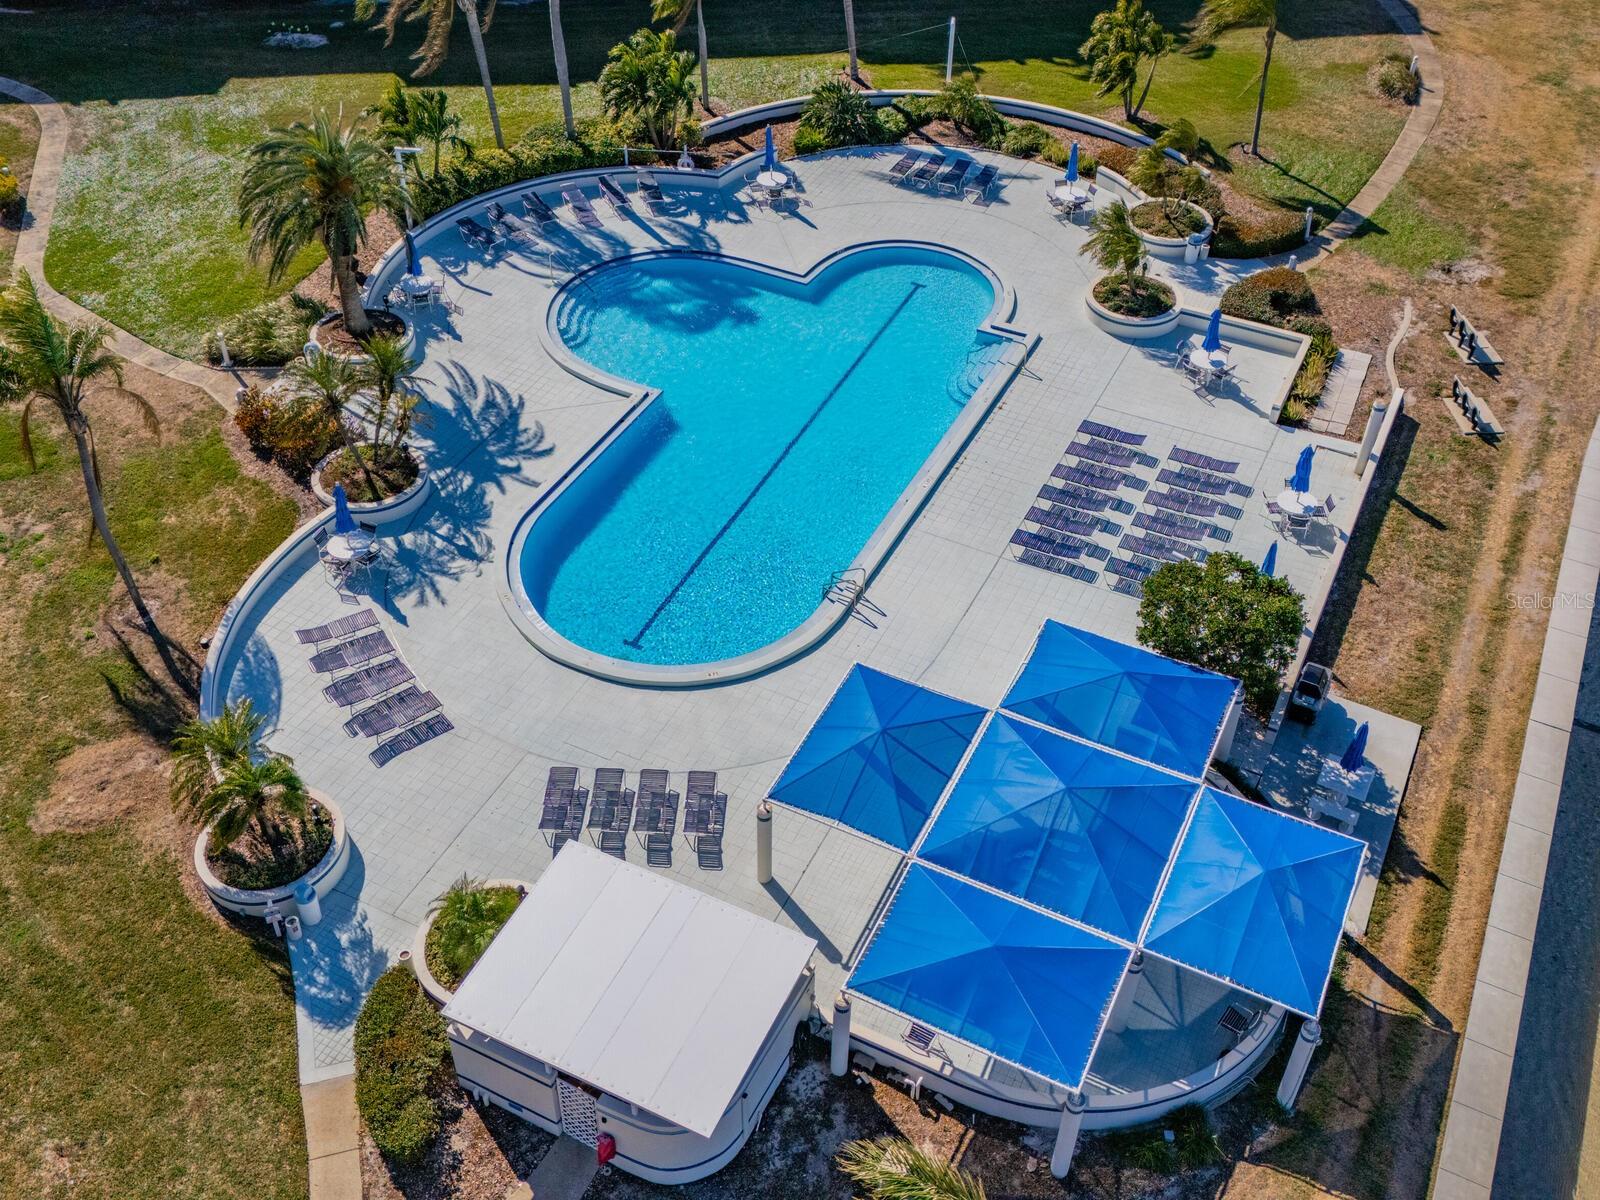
x=953, y=609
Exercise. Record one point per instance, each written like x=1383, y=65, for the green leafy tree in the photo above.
x=439, y=15
x=891, y=1168
x=1114, y=244
x=315, y=183
x=420, y=118
x=676, y=13
x=648, y=80
x=1121, y=40
x=1225, y=616
x=1217, y=16
x=226, y=779
x=840, y=114
x=331, y=382
x=61, y=363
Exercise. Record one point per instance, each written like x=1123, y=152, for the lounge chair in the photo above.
x=905, y=163
x=615, y=196
x=476, y=233
x=658, y=850
x=368, y=682
x=614, y=844
x=402, y=708
x=356, y=653
x=538, y=211
x=341, y=628
x=927, y=172
x=564, y=802
x=582, y=211
x=980, y=183
x=612, y=811
x=657, y=809
x=952, y=177
x=507, y=225
x=410, y=739
x=919, y=1037
x=654, y=198
x=708, y=851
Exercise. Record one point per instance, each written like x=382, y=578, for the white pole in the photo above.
x=950, y=53
x=763, y=842
x=1294, y=1072
x=1369, y=439
x=222, y=348
x=839, y=1048
x=400, y=153
x=1067, y=1135
x=1310, y=217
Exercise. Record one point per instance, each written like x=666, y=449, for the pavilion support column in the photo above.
x=839, y=1055
x=1294, y=1074
x=763, y=842
x=1067, y=1135
x=1130, y=988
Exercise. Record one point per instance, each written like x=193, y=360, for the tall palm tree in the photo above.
x=1215, y=16
x=314, y=183
x=648, y=79
x=331, y=382
x=895, y=1169
x=200, y=748
x=677, y=12
x=435, y=48
x=1120, y=40
x=389, y=402
x=558, y=48
x=1114, y=243
x=59, y=362
x=850, y=38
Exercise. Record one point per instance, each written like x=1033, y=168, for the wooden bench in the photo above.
x=1472, y=416
x=1471, y=344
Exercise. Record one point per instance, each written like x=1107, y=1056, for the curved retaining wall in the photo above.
x=399, y=507
x=248, y=902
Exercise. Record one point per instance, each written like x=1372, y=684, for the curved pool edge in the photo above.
x=1019, y=344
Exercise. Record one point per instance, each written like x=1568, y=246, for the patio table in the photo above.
x=418, y=287
x=1068, y=194
x=773, y=181
x=358, y=546
x=1211, y=364
x=1300, y=504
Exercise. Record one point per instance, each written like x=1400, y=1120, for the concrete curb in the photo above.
x=43, y=189
x=1470, y=1146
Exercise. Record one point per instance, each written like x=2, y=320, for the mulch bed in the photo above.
x=332, y=335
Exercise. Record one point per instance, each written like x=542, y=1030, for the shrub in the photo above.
x=1272, y=296
x=919, y=110
x=10, y=195
x=1119, y=158
x=401, y=1047
x=960, y=103
x=466, y=919
x=543, y=150
x=269, y=334
x=1157, y=219
x=1194, y=1139
x=840, y=115
x=1395, y=80
x=294, y=433
x=808, y=141
x=392, y=469
x=1279, y=231
x=1133, y=296
x=892, y=124
x=1026, y=139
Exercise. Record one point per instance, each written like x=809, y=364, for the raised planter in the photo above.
x=317, y=330
x=1134, y=328
x=435, y=990
x=383, y=512
x=250, y=902
x=1171, y=247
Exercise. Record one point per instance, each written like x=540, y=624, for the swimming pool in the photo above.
x=791, y=416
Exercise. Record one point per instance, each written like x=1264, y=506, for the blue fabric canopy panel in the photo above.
x=1026, y=987
x=879, y=757
x=1064, y=825
x=1133, y=700
x=1258, y=899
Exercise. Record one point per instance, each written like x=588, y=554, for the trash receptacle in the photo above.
x=1192, y=251
x=309, y=904
x=291, y=924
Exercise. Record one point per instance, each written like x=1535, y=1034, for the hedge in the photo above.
x=543, y=150
x=1273, y=234
x=1272, y=297
x=401, y=1049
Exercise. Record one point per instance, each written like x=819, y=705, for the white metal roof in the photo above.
x=653, y=992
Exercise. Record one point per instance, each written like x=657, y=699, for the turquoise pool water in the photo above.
x=790, y=419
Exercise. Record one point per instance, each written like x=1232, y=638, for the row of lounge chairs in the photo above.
x=948, y=175
x=651, y=812
x=355, y=644
x=537, y=214
x=1187, y=508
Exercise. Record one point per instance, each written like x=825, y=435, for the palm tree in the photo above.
x=314, y=183
x=850, y=38
x=435, y=48
x=1120, y=39
x=677, y=12
x=200, y=748
x=390, y=403
x=59, y=362
x=1114, y=243
x=895, y=1169
x=420, y=118
x=1154, y=173
x=331, y=382
x=1218, y=15
x=558, y=48
x=226, y=780
x=466, y=919
x=648, y=79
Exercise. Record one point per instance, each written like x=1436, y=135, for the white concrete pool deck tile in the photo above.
x=950, y=607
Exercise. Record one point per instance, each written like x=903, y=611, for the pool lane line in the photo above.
x=700, y=558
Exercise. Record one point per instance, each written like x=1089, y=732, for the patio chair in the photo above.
x=342, y=628
x=476, y=233
x=538, y=211
x=654, y=198
x=953, y=176
x=658, y=850
x=980, y=183
x=615, y=196
x=1237, y=1020
x=368, y=682
x=905, y=163
x=708, y=851
x=920, y=1038
x=927, y=171
x=409, y=739
x=582, y=211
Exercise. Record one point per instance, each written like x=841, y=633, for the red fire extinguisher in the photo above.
x=605, y=1148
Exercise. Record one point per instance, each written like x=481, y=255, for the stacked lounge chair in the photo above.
x=410, y=738
x=342, y=628
x=357, y=652
x=538, y=211
x=368, y=682
x=392, y=712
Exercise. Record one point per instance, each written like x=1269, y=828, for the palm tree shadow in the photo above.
x=153, y=706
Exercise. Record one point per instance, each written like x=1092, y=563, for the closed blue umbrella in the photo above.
x=1213, y=342
x=1271, y=560
x=411, y=255
x=1301, y=482
x=343, y=522
x=770, y=163
x=1355, y=753
x=1072, y=164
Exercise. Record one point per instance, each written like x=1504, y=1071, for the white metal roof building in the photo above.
x=617, y=1001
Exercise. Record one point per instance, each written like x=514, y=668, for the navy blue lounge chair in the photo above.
x=476, y=233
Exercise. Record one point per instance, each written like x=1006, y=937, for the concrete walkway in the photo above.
x=564, y=1173
x=42, y=191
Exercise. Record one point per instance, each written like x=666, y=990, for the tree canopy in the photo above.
x=1121, y=39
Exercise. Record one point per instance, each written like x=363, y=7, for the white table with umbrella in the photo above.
x=1344, y=783
x=418, y=287
x=358, y=546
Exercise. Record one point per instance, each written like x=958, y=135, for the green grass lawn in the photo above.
x=148, y=1052
x=145, y=233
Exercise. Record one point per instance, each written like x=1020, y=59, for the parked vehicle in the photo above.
x=1310, y=690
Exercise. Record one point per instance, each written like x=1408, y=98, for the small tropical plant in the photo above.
x=331, y=382
x=199, y=748
x=648, y=81
x=313, y=183
x=894, y=1169
x=440, y=15
x=389, y=403
x=676, y=14
x=420, y=118
x=970, y=111
x=227, y=780
x=60, y=363
x=1114, y=244
x=840, y=115
x=1217, y=16
x=1225, y=616
x=466, y=919
x=1121, y=40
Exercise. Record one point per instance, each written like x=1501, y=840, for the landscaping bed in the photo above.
x=333, y=337
x=254, y=864
x=1149, y=298
x=1178, y=221
x=388, y=472
x=1283, y=297
x=464, y=923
